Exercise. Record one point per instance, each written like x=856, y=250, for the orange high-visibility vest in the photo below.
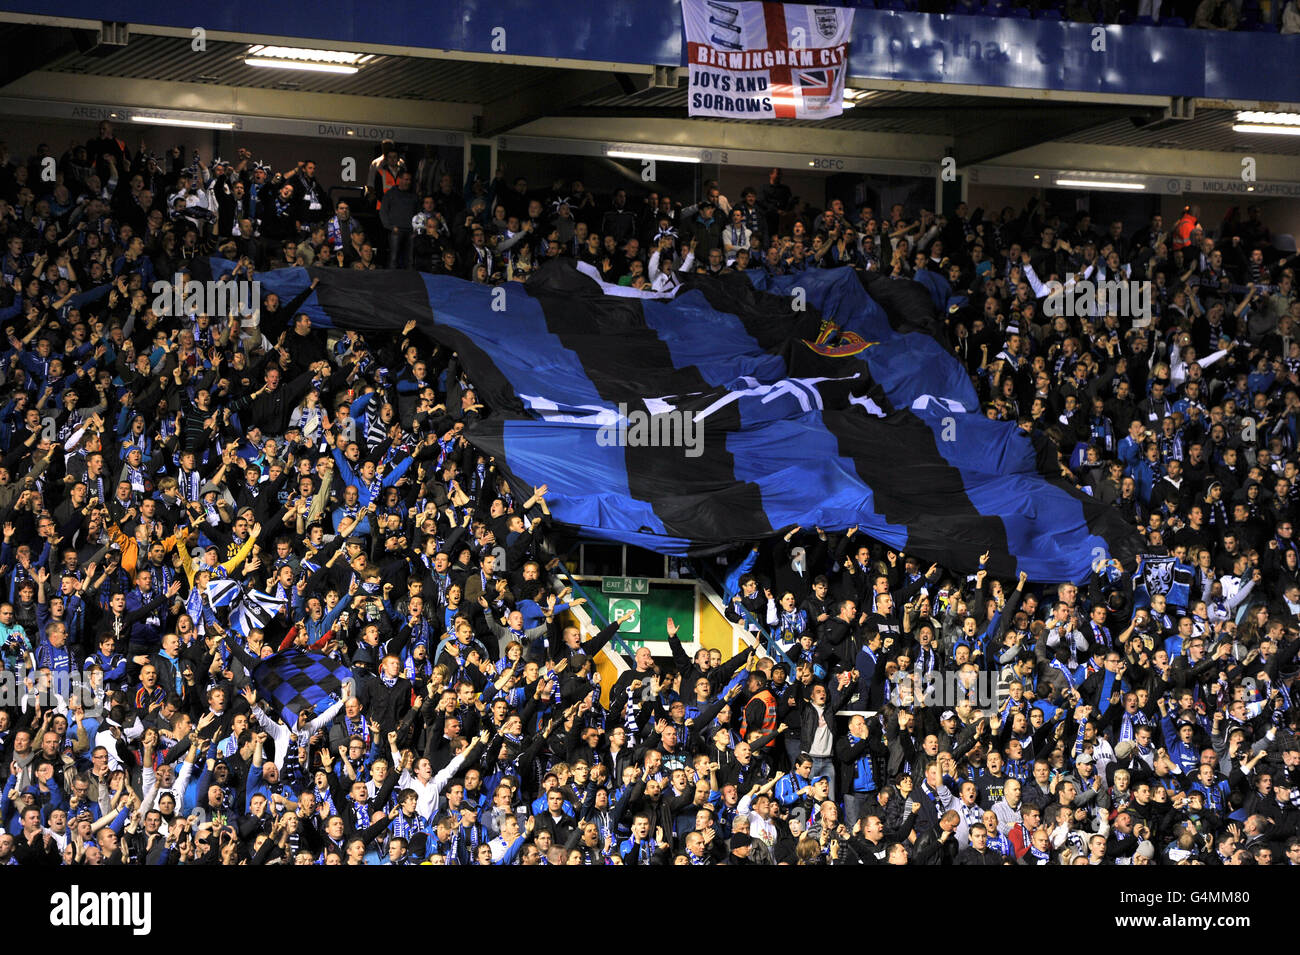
x=769, y=716
x=389, y=179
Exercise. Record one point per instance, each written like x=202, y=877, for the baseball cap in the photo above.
x=948, y=715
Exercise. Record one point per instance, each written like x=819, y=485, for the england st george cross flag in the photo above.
x=844, y=409
x=765, y=60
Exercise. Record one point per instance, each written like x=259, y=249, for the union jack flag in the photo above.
x=815, y=82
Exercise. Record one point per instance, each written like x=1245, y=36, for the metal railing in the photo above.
x=579, y=591
x=772, y=647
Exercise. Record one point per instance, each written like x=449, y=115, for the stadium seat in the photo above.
x=1144, y=22
x=1125, y=19
x=1173, y=22
x=898, y=5
x=1264, y=28
x=1020, y=12
x=1048, y=15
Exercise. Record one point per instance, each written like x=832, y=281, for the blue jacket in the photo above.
x=147, y=630
x=368, y=492
x=58, y=659
x=787, y=789
x=864, y=773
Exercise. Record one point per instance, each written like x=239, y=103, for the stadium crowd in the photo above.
x=884, y=712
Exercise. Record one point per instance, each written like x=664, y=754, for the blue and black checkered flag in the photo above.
x=297, y=680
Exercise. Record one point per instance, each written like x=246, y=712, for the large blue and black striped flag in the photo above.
x=824, y=399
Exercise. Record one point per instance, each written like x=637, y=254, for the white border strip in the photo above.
x=320, y=129
x=1160, y=185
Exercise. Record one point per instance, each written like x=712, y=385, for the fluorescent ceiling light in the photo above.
x=1263, y=121
x=1263, y=128
x=666, y=157
x=319, y=61
x=291, y=65
x=194, y=123
x=1102, y=184
x=1264, y=116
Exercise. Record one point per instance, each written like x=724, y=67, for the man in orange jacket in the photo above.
x=1187, y=222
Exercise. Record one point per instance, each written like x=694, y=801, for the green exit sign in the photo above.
x=625, y=585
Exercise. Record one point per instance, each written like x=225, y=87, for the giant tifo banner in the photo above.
x=723, y=415
x=766, y=60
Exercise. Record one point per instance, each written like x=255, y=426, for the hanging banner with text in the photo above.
x=752, y=60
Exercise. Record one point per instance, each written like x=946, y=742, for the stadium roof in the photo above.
x=477, y=96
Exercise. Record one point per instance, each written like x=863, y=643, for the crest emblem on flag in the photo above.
x=845, y=343
x=827, y=20
x=1159, y=573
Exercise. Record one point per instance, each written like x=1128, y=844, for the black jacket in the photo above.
x=808, y=720
x=932, y=850
x=972, y=856
x=836, y=644
x=387, y=705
